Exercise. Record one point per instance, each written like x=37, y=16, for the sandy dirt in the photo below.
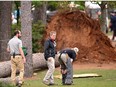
x=108, y=66
x=76, y=29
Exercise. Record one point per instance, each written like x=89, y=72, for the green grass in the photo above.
x=109, y=33
x=108, y=79
x=5, y=85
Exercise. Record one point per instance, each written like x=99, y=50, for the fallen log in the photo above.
x=5, y=69
x=38, y=64
x=5, y=80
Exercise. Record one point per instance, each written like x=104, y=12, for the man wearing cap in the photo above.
x=17, y=57
x=65, y=58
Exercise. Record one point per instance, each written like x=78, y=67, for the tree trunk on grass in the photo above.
x=39, y=63
x=5, y=28
x=26, y=28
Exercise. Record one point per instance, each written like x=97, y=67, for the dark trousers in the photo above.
x=114, y=34
x=67, y=79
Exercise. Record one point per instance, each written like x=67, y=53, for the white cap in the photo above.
x=76, y=49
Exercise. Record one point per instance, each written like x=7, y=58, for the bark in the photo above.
x=26, y=29
x=39, y=63
x=5, y=80
x=103, y=15
x=5, y=28
x=40, y=13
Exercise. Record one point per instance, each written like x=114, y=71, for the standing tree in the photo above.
x=103, y=16
x=5, y=28
x=105, y=6
x=26, y=28
x=40, y=11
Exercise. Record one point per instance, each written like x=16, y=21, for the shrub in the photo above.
x=37, y=34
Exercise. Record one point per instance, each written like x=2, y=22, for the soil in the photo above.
x=83, y=66
x=76, y=29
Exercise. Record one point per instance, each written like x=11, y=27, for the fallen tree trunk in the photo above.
x=5, y=80
x=38, y=64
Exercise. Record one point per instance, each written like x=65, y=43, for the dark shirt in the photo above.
x=71, y=53
x=113, y=22
x=49, y=48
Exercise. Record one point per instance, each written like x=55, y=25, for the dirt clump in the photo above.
x=76, y=29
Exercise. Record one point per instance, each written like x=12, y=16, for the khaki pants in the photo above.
x=62, y=58
x=17, y=63
x=51, y=67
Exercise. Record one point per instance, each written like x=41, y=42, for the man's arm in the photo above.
x=22, y=54
x=21, y=51
x=73, y=57
x=46, y=47
x=8, y=48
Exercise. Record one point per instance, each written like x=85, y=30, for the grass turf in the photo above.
x=108, y=79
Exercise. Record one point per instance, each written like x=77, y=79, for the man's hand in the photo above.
x=8, y=49
x=63, y=71
x=49, y=59
x=71, y=60
x=24, y=60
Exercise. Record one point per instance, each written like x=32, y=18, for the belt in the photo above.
x=17, y=55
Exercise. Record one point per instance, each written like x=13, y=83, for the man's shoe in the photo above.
x=50, y=84
x=19, y=85
x=46, y=82
x=67, y=84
